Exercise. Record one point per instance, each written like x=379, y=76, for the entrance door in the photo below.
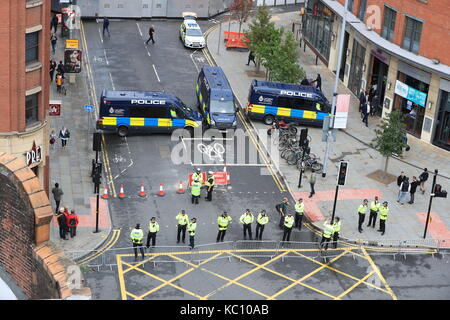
x=442, y=137
x=344, y=56
x=147, y=6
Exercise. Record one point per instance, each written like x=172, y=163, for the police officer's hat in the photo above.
x=385, y=202
x=138, y=225
x=210, y=172
x=198, y=170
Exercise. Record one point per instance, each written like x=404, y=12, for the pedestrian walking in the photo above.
x=64, y=135
x=223, y=221
x=251, y=57
x=366, y=112
x=195, y=191
x=288, y=224
x=57, y=195
x=53, y=40
x=151, y=32
x=192, y=226
x=72, y=223
x=106, y=26
x=247, y=219
x=60, y=68
x=210, y=180
x=261, y=222
x=374, y=208
x=183, y=221
x=384, y=211
x=362, y=101
x=312, y=182
x=412, y=189
x=337, y=229
x=328, y=230
x=375, y=104
x=305, y=82
x=59, y=82
x=61, y=217
x=404, y=190
x=362, y=210
x=153, y=229
x=422, y=179
x=52, y=69
x=54, y=23
x=299, y=210
x=52, y=139
x=137, y=236
x=318, y=82
x=400, y=179
x=282, y=210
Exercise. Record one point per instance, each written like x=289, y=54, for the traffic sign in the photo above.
x=88, y=107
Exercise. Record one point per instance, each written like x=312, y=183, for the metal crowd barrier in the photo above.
x=251, y=248
x=205, y=252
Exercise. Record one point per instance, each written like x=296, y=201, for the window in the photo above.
x=296, y=103
x=388, y=24
x=362, y=10
x=148, y=112
x=411, y=38
x=350, y=5
x=32, y=47
x=31, y=109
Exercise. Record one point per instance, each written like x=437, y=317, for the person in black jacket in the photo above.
x=52, y=69
x=362, y=100
x=404, y=189
x=423, y=178
x=61, y=217
x=412, y=190
x=54, y=23
x=61, y=69
x=318, y=82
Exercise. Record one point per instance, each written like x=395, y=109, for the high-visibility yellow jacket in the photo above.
x=384, y=211
x=299, y=207
x=196, y=188
x=362, y=209
x=375, y=205
x=263, y=220
x=137, y=235
x=192, y=226
x=223, y=222
x=210, y=180
x=182, y=219
x=153, y=227
x=328, y=230
x=289, y=221
x=247, y=218
x=197, y=176
x=337, y=226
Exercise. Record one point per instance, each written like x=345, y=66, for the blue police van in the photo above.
x=216, y=99
x=301, y=104
x=140, y=111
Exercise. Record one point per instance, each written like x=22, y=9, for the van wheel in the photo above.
x=269, y=119
x=122, y=131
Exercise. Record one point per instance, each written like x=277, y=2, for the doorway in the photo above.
x=378, y=79
x=442, y=137
x=344, y=56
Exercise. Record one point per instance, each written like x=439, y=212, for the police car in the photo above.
x=190, y=32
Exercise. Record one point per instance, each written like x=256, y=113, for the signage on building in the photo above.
x=341, y=116
x=34, y=155
x=378, y=54
x=71, y=44
x=54, y=108
x=72, y=60
x=409, y=93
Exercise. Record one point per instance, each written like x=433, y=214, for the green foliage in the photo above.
x=258, y=29
x=389, y=135
x=241, y=10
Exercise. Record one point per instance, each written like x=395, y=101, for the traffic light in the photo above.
x=303, y=138
x=342, y=173
x=438, y=192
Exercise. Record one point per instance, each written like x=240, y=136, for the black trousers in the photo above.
x=286, y=233
x=63, y=142
x=151, y=236
x=150, y=38
x=411, y=199
x=209, y=195
x=248, y=228
x=382, y=226
x=259, y=231
x=57, y=202
x=194, y=199
x=298, y=221
x=372, y=218
x=221, y=235
x=191, y=241
x=181, y=229
x=141, y=248
x=73, y=231
x=335, y=239
x=312, y=189
x=62, y=232
x=326, y=240
x=281, y=224
x=361, y=220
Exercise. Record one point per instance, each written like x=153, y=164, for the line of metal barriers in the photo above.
x=242, y=250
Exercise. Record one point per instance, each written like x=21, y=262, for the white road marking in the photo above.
x=148, y=52
x=139, y=28
x=196, y=67
x=112, y=82
x=156, y=73
x=100, y=33
x=106, y=57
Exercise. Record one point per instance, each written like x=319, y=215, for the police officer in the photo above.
x=183, y=220
x=197, y=176
x=328, y=230
x=195, y=191
x=247, y=219
x=261, y=222
x=153, y=228
x=289, y=221
x=384, y=211
x=192, y=226
x=209, y=185
x=299, y=209
x=223, y=221
x=374, y=208
x=337, y=229
x=137, y=236
x=362, y=210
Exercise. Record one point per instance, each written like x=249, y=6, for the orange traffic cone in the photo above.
x=180, y=189
x=161, y=190
x=121, y=194
x=225, y=167
x=105, y=193
x=142, y=192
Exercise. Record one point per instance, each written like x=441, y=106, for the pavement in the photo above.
x=71, y=167
x=405, y=222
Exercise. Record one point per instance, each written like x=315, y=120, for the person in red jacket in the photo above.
x=72, y=223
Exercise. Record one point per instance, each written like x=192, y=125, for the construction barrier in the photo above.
x=256, y=248
x=220, y=178
x=235, y=40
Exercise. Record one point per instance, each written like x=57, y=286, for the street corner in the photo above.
x=436, y=226
x=104, y=221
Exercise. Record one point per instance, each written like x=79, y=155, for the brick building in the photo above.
x=396, y=49
x=24, y=82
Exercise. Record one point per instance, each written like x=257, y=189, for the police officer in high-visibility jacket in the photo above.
x=192, y=226
x=137, y=236
x=384, y=211
x=197, y=175
x=374, y=208
x=183, y=220
x=153, y=229
x=209, y=183
x=261, y=222
x=337, y=229
x=247, y=219
x=289, y=221
x=362, y=210
x=328, y=230
x=223, y=221
x=195, y=191
x=299, y=210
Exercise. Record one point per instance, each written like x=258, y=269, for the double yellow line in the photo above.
x=112, y=241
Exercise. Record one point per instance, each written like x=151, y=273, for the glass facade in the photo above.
x=357, y=62
x=388, y=24
x=411, y=38
x=442, y=134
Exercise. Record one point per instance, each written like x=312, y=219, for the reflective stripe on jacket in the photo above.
x=210, y=181
x=182, y=219
x=191, y=228
x=247, y=218
x=328, y=230
x=223, y=222
x=299, y=207
x=153, y=227
x=362, y=209
x=137, y=235
x=375, y=205
x=262, y=220
x=384, y=211
x=289, y=221
x=337, y=226
x=195, y=188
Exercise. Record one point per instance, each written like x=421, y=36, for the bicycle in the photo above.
x=311, y=163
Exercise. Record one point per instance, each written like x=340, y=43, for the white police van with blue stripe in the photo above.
x=190, y=32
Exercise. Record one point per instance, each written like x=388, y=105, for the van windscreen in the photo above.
x=218, y=106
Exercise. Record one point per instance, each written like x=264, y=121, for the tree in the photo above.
x=389, y=138
x=241, y=10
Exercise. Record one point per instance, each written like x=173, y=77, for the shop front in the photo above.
x=442, y=133
x=378, y=76
x=356, y=67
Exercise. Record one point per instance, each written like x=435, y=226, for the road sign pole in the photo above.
x=334, y=204
x=429, y=205
x=302, y=168
x=220, y=33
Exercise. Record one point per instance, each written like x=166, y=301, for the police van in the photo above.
x=216, y=99
x=190, y=32
x=291, y=102
x=139, y=111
